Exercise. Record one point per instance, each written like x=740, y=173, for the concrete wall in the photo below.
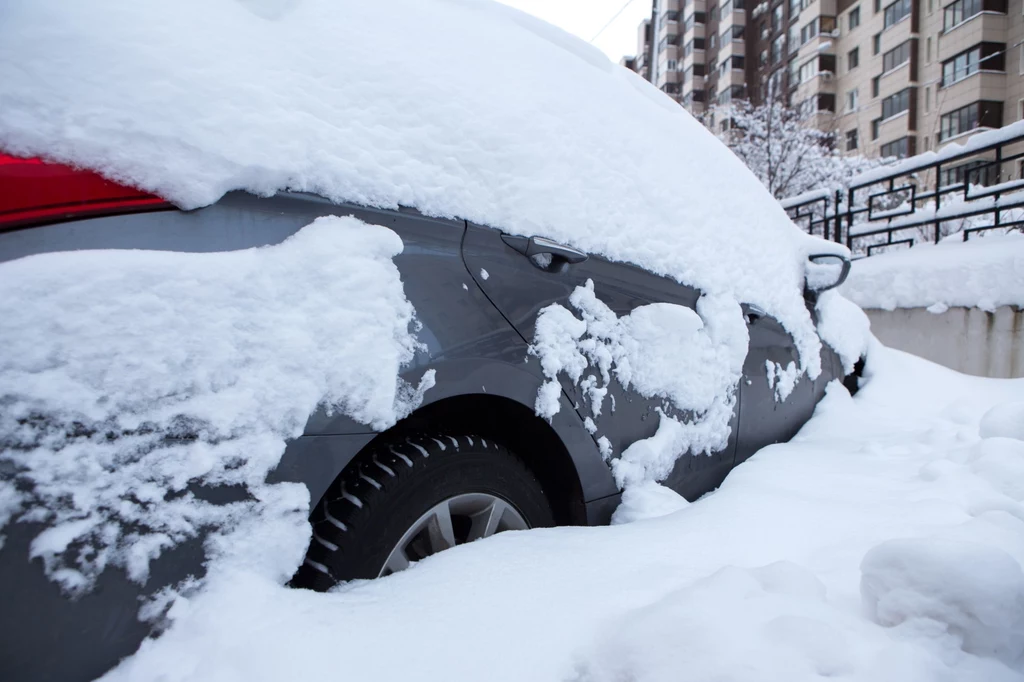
x=968, y=340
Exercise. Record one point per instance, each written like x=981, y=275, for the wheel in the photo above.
x=401, y=502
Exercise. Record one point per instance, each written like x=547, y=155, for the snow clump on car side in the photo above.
x=132, y=380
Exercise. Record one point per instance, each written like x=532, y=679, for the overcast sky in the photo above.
x=585, y=18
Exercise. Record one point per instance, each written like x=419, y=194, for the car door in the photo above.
x=520, y=288
x=773, y=407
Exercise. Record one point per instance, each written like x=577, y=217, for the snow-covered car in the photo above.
x=411, y=327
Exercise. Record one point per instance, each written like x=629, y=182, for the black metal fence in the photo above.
x=962, y=189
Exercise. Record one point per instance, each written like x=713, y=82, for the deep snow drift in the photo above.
x=462, y=108
x=884, y=543
x=985, y=272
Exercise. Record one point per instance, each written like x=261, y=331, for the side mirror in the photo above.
x=826, y=271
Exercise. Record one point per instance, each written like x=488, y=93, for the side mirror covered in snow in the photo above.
x=826, y=271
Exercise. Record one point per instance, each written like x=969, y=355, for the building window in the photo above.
x=777, y=17
x=777, y=49
x=695, y=18
x=959, y=12
x=900, y=148
x=713, y=13
x=809, y=70
x=853, y=59
x=927, y=99
x=970, y=61
x=854, y=18
x=874, y=85
x=666, y=42
x=851, y=100
x=975, y=115
x=878, y=6
x=898, y=56
x=691, y=45
x=974, y=172
x=671, y=65
x=874, y=128
x=876, y=44
x=928, y=51
x=712, y=41
x=670, y=88
x=733, y=33
x=851, y=140
x=927, y=142
x=762, y=59
x=897, y=11
x=794, y=9
x=896, y=104
x=793, y=38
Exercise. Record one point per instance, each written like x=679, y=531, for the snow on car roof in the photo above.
x=460, y=108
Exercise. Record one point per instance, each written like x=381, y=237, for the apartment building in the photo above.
x=890, y=77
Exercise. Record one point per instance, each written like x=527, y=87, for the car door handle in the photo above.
x=751, y=313
x=535, y=246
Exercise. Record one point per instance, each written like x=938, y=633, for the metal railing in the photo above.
x=891, y=206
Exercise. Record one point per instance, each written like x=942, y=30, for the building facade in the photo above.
x=888, y=77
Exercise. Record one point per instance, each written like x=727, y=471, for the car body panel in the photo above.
x=521, y=290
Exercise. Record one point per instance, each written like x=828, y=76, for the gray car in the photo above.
x=473, y=460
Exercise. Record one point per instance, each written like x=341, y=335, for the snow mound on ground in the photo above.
x=647, y=500
x=974, y=591
x=982, y=273
x=760, y=581
x=691, y=359
x=458, y=108
x=1000, y=461
x=1006, y=421
x=128, y=376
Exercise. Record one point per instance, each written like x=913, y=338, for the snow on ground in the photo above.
x=230, y=348
x=985, y=272
x=462, y=108
x=884, y=543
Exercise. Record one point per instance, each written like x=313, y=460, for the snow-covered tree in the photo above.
x=788, y=156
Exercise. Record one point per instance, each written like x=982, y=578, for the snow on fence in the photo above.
x=970, y=188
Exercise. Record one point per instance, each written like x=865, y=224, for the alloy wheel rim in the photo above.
x=454, y=521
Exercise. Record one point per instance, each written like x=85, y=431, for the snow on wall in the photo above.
x=692, y=359
x=461, y=108
x=985, y=272
x=200, y=366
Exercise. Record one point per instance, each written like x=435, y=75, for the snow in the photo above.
x=484, y=274
x=985, y=272
x=229, y=351
x=461, y=108
x=782, y=379
x=880, y=545
x=951, y=151
x=661, y=350
x=1004, y=421
x=972, y=592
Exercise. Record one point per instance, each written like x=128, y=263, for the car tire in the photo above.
x=386, y=496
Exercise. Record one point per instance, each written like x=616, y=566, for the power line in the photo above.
x=612, y=20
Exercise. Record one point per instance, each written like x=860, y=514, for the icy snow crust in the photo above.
x=229, y=351
x=985, y=272
x=460, y=108
x=883, y=544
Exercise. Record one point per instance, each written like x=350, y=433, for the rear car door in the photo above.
x=521, y=288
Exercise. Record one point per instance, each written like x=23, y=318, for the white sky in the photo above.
x=584, y=18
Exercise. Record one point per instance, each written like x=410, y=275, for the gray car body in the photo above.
x=475, y=333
